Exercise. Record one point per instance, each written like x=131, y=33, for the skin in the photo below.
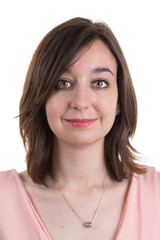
x=79, y=165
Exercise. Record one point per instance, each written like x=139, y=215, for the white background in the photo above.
x=136, y=25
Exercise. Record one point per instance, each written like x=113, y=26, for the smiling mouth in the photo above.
x=80, y=123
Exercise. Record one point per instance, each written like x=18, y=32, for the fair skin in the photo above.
x=88, y=93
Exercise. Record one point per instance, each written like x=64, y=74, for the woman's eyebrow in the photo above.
x=95, y=70
x=68, y=70
x=101, y=70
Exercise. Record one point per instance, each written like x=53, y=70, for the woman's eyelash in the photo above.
x=61, y=84
x=64, y=84
x=100, y=84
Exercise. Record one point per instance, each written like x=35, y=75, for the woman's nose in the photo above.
x=81, y=98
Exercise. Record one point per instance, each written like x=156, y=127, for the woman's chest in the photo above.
x=64, y=222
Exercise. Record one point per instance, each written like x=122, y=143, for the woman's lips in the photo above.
x=80, y=123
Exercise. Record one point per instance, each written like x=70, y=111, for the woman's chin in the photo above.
x=80, y=141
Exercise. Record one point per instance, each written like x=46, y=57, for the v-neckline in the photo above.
x=32, y=208
x=40, y=221
x=125, y=207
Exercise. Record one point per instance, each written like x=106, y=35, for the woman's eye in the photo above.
x=100, y=84
x=63, y=84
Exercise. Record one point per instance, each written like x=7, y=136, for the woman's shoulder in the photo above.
x=10, y=183
x=149, y=181
x=7, y=176
x=156, y=175
x=9, y=188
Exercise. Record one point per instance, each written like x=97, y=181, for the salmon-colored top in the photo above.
x=140, y=219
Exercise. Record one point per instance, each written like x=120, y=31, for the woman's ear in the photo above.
x=117, y=109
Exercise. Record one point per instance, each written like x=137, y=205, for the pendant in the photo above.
x=88, y=224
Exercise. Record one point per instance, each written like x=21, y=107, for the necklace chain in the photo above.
x=89, y=223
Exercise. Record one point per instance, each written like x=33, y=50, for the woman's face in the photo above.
x=82, y=108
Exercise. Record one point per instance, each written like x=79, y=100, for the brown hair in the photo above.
x=52, y=57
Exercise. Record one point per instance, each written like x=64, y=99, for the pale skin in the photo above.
x=88, y=90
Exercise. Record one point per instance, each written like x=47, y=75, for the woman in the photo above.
x=77, y=114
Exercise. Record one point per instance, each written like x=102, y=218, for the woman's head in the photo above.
x=84, y=103
x=55, y=54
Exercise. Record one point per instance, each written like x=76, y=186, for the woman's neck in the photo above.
x=79, y=166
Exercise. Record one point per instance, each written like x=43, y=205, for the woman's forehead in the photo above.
x=97, y=58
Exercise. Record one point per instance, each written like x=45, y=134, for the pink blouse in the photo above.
x=140, y=219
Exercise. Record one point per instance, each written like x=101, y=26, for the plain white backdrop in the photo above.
x=136, y=26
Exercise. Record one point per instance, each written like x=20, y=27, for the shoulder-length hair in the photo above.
x=51, y=58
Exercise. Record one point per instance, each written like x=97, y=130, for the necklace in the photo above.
x=87, y=224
